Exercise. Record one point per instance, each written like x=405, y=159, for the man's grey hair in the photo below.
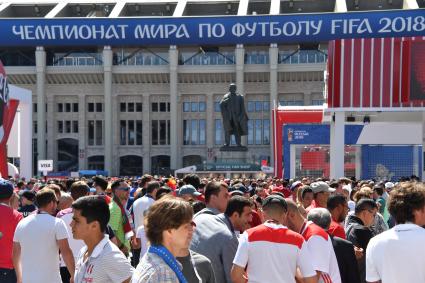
x=320, y=216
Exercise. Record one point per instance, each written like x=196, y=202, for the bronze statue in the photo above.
x=235, y=119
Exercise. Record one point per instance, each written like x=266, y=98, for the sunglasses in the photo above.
x=126, y=189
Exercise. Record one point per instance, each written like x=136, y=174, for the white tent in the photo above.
x=185, y=170
x=12, y=170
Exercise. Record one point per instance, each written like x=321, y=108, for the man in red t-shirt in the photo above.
x=9, y=220
x=338, y=207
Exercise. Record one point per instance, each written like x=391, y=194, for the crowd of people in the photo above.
x=164, y=230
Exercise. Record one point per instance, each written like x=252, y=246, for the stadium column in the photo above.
x=175, y=148
x=240, y=61
x=146, y=130
x=40, y=62
x=52, y=148
x=82, y=153
x=337, y=145
x=210, y=121
x=274, y=101
x=107, y=74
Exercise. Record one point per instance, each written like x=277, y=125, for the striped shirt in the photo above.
x=106, y=264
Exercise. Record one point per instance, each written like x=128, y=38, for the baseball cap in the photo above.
x=321, y=186
x=188, y=190
x=6, y=189
x=275, y=199
x=236, y=193
x=295, y=184
x=239, y=187
x=389, y=185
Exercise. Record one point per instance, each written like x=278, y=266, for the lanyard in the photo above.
x=169, y=259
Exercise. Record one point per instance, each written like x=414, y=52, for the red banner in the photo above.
x=7, y=115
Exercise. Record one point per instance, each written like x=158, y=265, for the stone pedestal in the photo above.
x=232, y=156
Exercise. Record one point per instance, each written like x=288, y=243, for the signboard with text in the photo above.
x=45, y=165
x=222, y=30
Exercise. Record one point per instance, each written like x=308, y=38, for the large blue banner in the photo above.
x=211, y=30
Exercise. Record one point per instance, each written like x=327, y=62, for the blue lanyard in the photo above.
x=169, y=259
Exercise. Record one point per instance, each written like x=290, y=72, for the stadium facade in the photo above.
x=130, y=110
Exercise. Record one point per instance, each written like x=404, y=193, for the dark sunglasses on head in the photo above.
x=126, y=189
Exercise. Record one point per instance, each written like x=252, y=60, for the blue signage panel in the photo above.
x=313, y=134
x=211, y=30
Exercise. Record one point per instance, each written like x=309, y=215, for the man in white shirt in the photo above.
x=78, y=189
x=397, y=255
x=100, y=261
x=142, y=204
x=318, y=242
x=37, y=241
x=272, y=251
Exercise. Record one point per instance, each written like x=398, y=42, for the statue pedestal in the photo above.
x=232, y=156
x=233, y=148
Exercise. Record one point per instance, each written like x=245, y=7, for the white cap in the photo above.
x=389, y=185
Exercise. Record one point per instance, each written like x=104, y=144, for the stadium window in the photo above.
x=154, y=132
x=123, y=132
x=186, y=132
x=202, y=131
x=34, y=126
x=266, y=131
x=186, y=106
x=91, y=132
x=194, y=107
x=139, y=107
x=60, y=107
x=251, y=106
x=67, y=127
x=250, y=132
x=131, y=133
x=154, y=106
x=99, y=132
x=91, y=107
x=75, y=126
x=162, y=107
x=75, y=107
x=60, y=127
x=123, y=107
x=99, y=107
x=258, y=106
x=139, y=132
x=130, y=107
x=219, y=131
